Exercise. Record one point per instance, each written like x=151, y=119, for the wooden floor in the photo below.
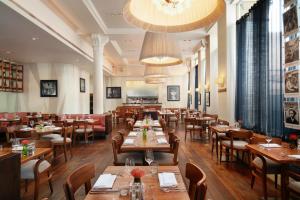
x=224, y=181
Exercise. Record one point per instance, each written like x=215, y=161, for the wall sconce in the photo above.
x=221, y=83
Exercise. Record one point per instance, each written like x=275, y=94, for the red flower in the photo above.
x=146, y=126
x=137, y=173
x=293, y=136
x=25, y=142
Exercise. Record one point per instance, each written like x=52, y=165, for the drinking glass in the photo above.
x=32, y=123
x=128, y=164
x=154, y=168
x=149, y=157
x=268, y=139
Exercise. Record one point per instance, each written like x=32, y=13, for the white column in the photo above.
x=99, y=42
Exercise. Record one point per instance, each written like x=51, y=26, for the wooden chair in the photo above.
x=36, y=168
x=262, y=166
x=10, y=133
x=174, y=119
x=189, y=127
x=293, y=180
x=166, y=158
x=83, y=128
x=163, y=124
x=64, y=142
x=197, y=178
x=120, y=156
x=81, y=176
x=236, y=141
x=215, y=136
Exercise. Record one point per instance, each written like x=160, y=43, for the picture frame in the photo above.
x=48, y=88
x=291, y=21
x=291, y=52
x=113, y=92
x=207, y=99
x=291, y=81
x=82, y=85
x=173, y=93
x=291, y=114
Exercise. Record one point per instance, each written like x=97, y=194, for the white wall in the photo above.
x=69, y=99
x=111, y=104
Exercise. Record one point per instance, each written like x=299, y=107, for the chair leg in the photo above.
x=265, y=186
x=212, y=146
x=50, y=182
x=276, y=181
x=71, y=149
x=221, y=149
x=252, y=181
x=65, y=152
x=36, y=189
x=26, y=185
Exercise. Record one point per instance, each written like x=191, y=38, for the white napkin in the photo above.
x=159, y=133
x=129, y=141
x=271, y=145
x=162, y=141
x=222, y=126
x=167, y=179
x=26, y=129
x=56, y=128
x=17, y=148
x=294, y=156
x=132, y=134
x=105, y=181
x=158, y=129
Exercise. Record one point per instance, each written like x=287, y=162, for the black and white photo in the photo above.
x=291, y=110
x=113, y=93
x=48, y=88
x=290, y=20
x=173, y=92
x=288, y=2
x=82, y=84
x=292, y=51
x=207, y=99
x=291, y=82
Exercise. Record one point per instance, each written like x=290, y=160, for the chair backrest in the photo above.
x=189, y=121
x=77, y=178
x=174, y=148
x=197, y=178
x=163, y=124
x=59, y=123
x=171, y=137
x=223, y=122
x=11, y=132
x=241, y=134
x=68, y=132
x=257, y=140
x=117, y=142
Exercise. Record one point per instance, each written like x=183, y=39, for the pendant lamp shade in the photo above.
x=156, y=72
x=173, y=15
x=154, y=80
x=160, y=49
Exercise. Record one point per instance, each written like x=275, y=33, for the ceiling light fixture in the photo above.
x=160, y=49
x=173, y=15
x=156, y=72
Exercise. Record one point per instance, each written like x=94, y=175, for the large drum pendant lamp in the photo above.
x=156, y=72
x=160, y=49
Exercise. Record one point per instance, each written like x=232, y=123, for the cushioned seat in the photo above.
x=138, y=157
x=163, y=158
x=28, y=167
x=173, y=119
x=271, y=165
x=294, y=185
x=51, y=136
x=197, y=127
x=99, y=128
x=60, y=140
x=189, y=127
x=237, y=144
x=219, y=135
x=81, y=130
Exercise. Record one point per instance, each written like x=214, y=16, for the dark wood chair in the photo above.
x=170, y=157
x=262, y=166
x=215, y=136
x=120, y=156
x=236, y=140
x=64, y=142
x=197, y=179
x=174, y=119
x=79, y=177
x=163, y=124
x=293, y=180
x=189, y=127
x=83, y=128
x=36, y=168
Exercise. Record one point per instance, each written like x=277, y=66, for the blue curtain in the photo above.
x=259, y=92
x=196, y=86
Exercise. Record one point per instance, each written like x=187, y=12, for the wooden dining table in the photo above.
x=10, y=121
x=153, y=123
x=150, y=143
x=149, y=181
x=279, y=155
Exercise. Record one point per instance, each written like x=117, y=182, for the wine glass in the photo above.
x=128, y=164
x=149, y=157
x=31, y=123
x=268, y=139
x=154, y=168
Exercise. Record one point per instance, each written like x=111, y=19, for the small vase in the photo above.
x=25, y=150
x=144, y=134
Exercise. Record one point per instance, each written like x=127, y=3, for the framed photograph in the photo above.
x=207, y=99
x=113, y=93
x=291, y=81
x=173, y=93
x=288, y=3
x=291, y=114
x=82, y=84
x=290, y=21
x=48, y=88
x=292, y=51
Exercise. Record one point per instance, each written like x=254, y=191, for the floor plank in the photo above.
x=225, y=181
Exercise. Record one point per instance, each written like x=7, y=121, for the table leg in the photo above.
x=283, y=181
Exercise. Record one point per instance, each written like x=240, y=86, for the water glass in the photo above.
x=154, y=168
x=149, y=157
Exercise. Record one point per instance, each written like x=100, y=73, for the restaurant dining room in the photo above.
x=149, y=100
